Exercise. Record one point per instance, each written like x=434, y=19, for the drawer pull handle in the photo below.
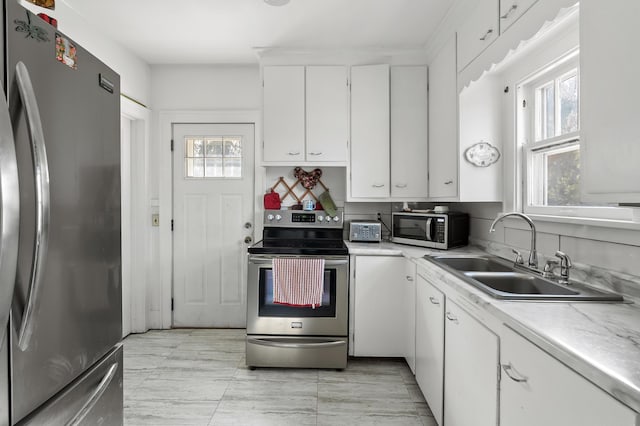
x=294, y=153
x=315, y=153
x=378, y=185
x=511, y=9
x=487, y=34
x=513, y=374
x=434, y=300
x=452, y=317
x=449, y=182
x=409, y=278
x=401, y=185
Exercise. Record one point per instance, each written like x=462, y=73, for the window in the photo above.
x=550, y=137
x=213, y=156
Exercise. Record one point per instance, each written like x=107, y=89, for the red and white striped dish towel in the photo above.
x=298, y=282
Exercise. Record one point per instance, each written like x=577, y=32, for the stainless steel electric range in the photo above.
x=282, y=335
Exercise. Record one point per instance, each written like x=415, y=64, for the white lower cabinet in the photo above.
x=379, y=320
x=536, y=389
x=430, y=304
x=470, y=371
x=409, y=312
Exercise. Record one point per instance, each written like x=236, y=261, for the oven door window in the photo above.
x=267, y=308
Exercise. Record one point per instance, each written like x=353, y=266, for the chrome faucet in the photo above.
x=565, y=265
x=533, y=254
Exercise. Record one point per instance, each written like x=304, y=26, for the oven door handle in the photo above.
x=266, y=260
x=271, y=343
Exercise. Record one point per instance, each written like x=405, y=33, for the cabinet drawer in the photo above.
x=478, y=31
x=537, y=389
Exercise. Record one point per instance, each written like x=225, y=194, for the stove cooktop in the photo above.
x=300, y=247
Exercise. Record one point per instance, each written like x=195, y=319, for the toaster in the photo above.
x=365, y=231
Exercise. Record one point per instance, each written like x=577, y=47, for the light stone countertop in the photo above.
x=600, y=341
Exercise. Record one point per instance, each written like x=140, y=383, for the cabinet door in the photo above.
x=327, y=113
x=443, y=124
x=609, y=107
x=370, y=131
x=478, y=31
x=379, y=321
x=409, y=132
x=410, y=314
x=430, y=304
x=470, y=371
x=511, y=11
x=536, y=389
x=283, y=110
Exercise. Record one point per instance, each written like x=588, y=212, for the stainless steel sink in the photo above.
x=503, y=280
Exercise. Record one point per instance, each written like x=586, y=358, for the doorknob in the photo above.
x=248, y=239
x=247, y=225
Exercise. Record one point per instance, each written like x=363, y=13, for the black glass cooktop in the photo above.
x=300, y=247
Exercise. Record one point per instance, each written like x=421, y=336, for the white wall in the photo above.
x=134, y=73
x=188, y=89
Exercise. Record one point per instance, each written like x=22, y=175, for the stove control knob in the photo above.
x=278, y=217
x=336, y=218
x=269, y=217
x=321, y=218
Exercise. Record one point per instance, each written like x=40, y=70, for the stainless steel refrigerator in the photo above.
x=60, y=265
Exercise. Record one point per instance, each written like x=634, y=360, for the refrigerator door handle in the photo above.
x=42, y=201
x=9, y=214
x=94, y=397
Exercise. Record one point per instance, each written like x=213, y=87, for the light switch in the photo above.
x=155, y=219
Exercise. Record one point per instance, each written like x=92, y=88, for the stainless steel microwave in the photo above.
x=433, y=230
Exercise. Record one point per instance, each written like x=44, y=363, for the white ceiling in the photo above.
x=228, y=31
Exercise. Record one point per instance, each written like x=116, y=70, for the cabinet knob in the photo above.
x=487, y=34
x=511, y=9
x=513, y=374
x=434, y=301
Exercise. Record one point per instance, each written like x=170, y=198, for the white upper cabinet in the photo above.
x=478, y=31
x=283, y=113
x=369, y=163
x=443, y=124
x=511, y=10
x=536, y=389
x=306, y=114
x=327, y=104
x=409, y=132
x=609, y=94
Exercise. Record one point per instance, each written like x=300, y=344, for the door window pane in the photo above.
x=213, y=156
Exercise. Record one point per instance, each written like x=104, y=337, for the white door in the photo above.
x=213, y=168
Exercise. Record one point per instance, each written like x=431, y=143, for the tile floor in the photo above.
x=199, y=377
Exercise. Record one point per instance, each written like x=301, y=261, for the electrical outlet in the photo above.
x=155, y=220
x=379, y=217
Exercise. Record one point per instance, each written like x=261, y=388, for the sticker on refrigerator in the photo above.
x=33, y=31
x=66, y=52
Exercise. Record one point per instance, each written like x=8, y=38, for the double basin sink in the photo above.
x=504, y=280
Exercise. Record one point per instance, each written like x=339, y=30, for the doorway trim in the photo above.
x=166, y=119
x=138, y=153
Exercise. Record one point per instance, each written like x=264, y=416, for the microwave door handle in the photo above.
x=429, y=220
